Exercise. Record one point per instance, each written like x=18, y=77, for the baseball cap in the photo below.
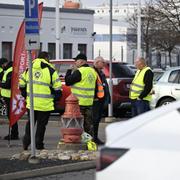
x=80, y=56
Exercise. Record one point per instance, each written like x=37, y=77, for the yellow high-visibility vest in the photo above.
x=42, y=84
x=85, y=89
x=6, y=92
x=1, y=69
x=137, y=85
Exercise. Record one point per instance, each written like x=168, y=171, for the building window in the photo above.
x=82, y=48
x=67, y=51
x=40, y=49
x=41, y=45
x=52, y=50
x=7, y=50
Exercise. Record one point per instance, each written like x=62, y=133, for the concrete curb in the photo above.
x=50, y=170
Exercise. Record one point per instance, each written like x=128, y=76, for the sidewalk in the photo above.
x=17, y=169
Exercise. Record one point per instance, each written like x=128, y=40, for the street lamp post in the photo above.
x=57, y=30
x=110, y=108
x=139, y=30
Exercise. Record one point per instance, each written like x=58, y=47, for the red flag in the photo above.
x=20, y=62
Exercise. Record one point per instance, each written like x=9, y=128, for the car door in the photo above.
x=174, y=80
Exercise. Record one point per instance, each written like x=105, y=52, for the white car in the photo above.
x=167, y=88
x=146, y=147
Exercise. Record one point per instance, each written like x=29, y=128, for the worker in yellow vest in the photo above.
x=82, y=79
x=3, y=61
x=140, y=89
x=46, y=91
x=102, y=97
x=6, y=94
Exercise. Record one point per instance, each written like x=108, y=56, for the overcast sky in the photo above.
x=85, y=3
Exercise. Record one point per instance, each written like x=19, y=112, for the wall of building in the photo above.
x=76, y=27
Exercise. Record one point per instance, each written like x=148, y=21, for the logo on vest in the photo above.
x=37, y=74
x=90, y=78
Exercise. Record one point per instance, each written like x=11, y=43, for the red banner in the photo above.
x=20, y=63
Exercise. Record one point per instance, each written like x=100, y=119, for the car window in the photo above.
x=157, y=76
x=174, y=76
x=62, y=68
x=120, y=70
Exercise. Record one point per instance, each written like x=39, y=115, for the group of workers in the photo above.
x=87, y=83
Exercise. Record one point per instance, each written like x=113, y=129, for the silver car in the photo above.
x=167, y=88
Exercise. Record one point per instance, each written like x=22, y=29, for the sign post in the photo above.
x=32, y=42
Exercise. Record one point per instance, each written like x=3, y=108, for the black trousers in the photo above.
x=97, y=115
x=14, y=129
x=41, y=119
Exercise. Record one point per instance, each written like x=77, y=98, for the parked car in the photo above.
x=146, y=147
x=167, y=88
x=133, y=67
x=122, y=76
x=158, y=72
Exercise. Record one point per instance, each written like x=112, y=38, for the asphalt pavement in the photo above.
x=18, y=169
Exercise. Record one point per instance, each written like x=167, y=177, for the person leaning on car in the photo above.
x=82, y=79
x=141, y=86
x=46, y=90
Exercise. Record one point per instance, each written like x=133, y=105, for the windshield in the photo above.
x=157, y=76
x=121, y=70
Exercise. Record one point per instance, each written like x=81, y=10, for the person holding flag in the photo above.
x=6, y=94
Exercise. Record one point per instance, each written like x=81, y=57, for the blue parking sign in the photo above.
x=31, y=17
x=31, y=8
x=32, y=40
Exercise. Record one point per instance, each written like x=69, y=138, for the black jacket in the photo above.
x=148, y=81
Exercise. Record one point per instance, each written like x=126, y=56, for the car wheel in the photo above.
x=165, y=101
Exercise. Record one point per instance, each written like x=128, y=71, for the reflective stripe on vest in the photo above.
x=137, y=86
x=6, y=92
x=100, y=88
x=85, y=89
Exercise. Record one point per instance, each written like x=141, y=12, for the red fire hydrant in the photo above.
x=71, y=121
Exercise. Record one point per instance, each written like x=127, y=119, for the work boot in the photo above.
x=11, y=138
x=25, y=147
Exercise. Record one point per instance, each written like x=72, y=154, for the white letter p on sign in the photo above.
x=31, y=6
